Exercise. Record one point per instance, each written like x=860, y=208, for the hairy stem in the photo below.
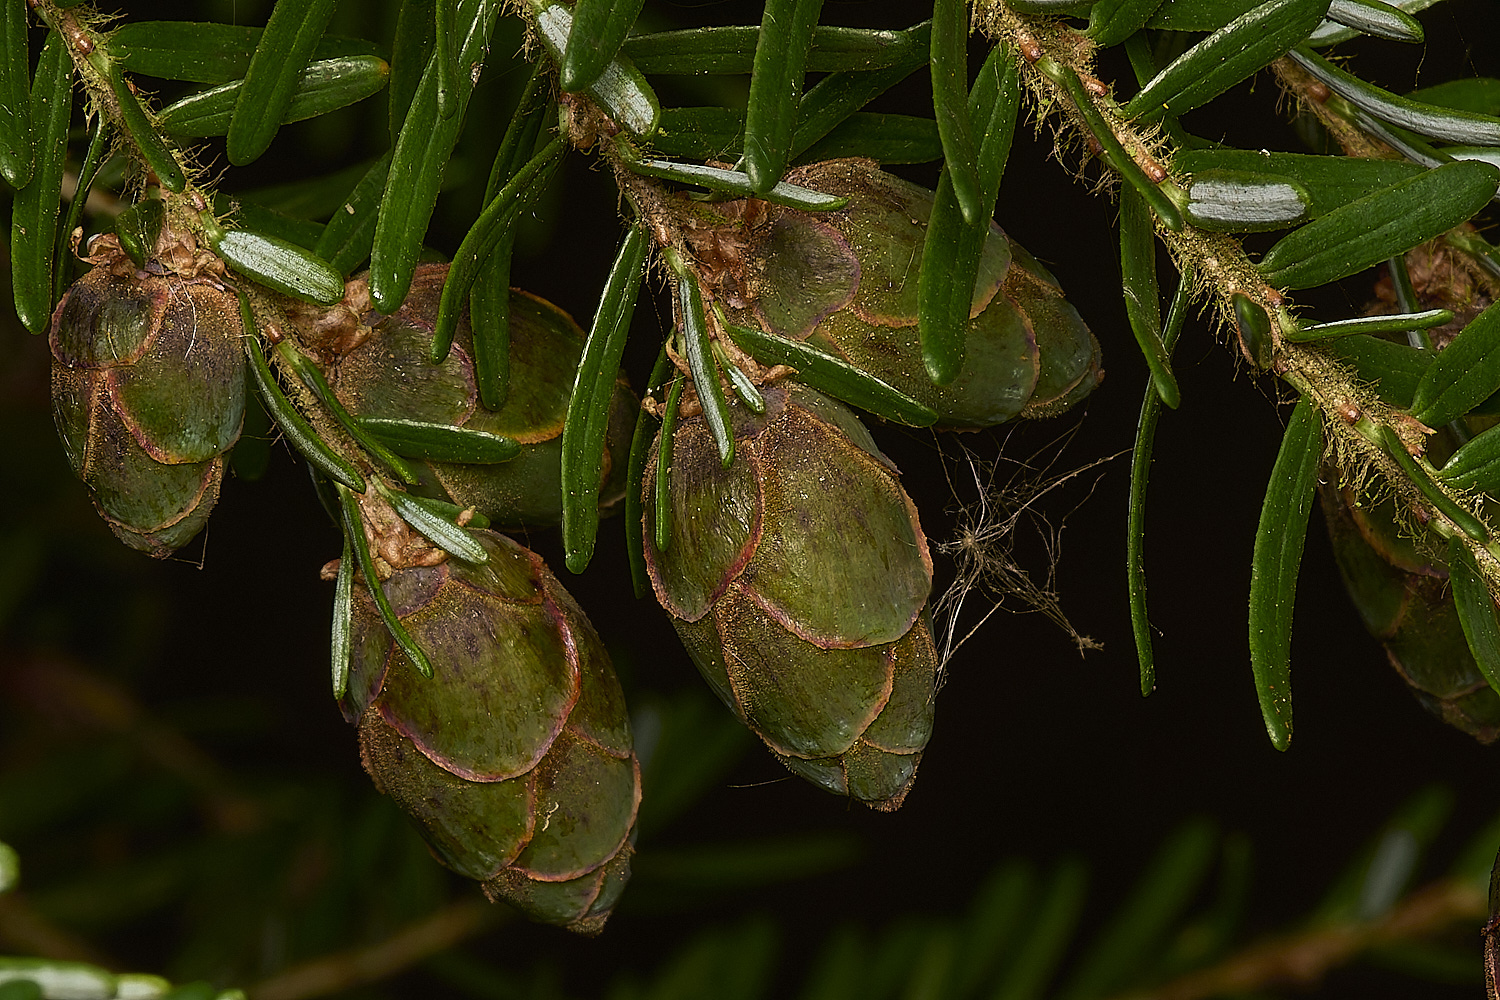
x=91, y=58
x=1353, y=417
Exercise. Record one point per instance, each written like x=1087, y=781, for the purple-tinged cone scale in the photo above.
x=798, y=580
x=515, y=758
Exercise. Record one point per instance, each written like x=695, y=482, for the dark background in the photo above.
x=1039, y=752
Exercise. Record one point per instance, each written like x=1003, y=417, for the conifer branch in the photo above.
x=1353, y=419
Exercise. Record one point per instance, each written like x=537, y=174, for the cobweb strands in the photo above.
x=998, y=511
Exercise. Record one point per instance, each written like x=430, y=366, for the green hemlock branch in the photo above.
x=298, y=236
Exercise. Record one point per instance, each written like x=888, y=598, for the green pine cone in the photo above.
x=515, y=758
x=148, y=388
x=388, y=374
x=1400, y=586
x=846, y=283
x=798, y=580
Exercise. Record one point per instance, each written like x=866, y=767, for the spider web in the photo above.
x=998, y=505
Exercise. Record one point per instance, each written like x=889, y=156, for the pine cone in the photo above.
x=1399, y=584
x=148, y=388
x=389, y=374
x=798, y=580
x=846, y=283
x=515, y=758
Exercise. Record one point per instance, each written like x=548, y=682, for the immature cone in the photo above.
x=846, y=283
x=515, y=758
x=1400, y=586
x=148, y=388
x=389, y=374
x=1397, y=574
x=798, y=580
